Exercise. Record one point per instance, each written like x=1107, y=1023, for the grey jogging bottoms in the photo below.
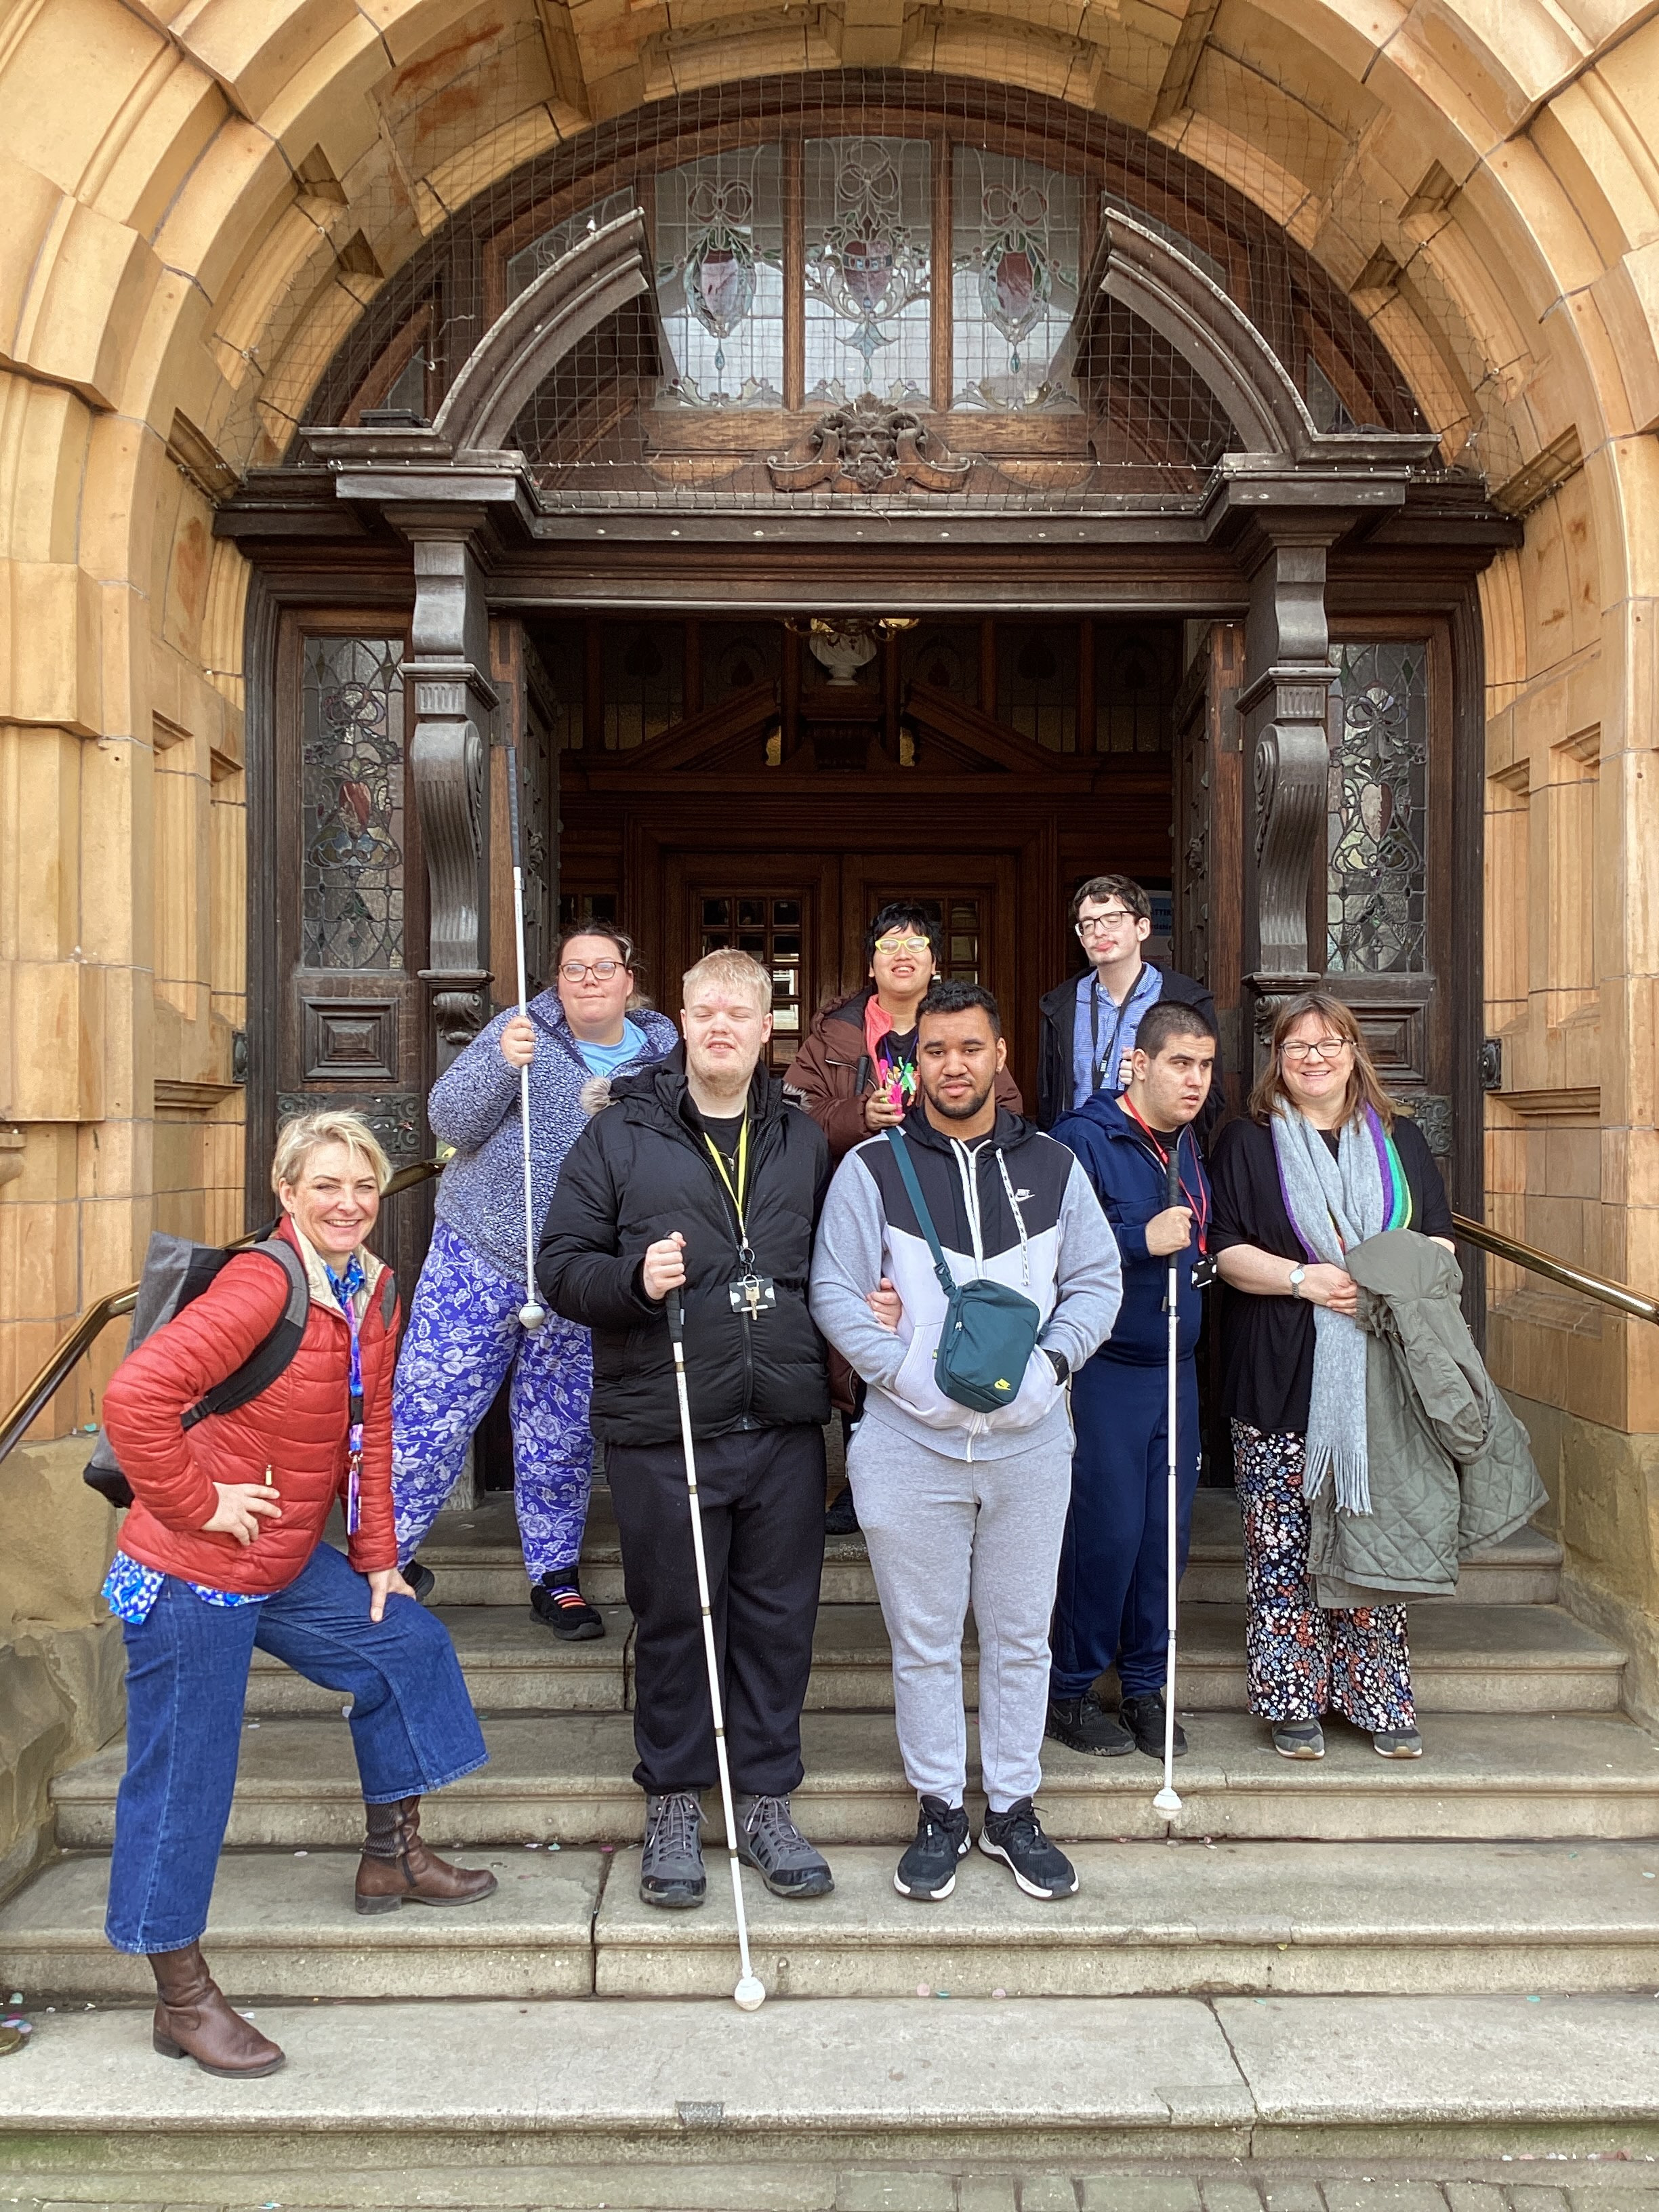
x=940, y=1530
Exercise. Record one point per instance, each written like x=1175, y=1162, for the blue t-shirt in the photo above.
x=606, y=1059
x=1101, y=1027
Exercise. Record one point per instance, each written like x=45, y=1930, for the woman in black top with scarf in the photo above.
x=1323, y=1139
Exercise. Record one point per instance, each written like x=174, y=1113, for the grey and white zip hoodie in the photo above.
x=1014, y=1205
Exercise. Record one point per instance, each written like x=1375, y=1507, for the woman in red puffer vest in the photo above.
x=221, y=1554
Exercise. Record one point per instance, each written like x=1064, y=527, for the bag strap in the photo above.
x=270, y=1357
x=907, y=1168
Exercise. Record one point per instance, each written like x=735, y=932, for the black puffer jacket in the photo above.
x=640, y=1171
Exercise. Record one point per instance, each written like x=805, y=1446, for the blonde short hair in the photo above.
x=297, y=1139
x=738, y=971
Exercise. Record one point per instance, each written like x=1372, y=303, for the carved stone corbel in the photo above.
x=1283, y=709
x=454, y=701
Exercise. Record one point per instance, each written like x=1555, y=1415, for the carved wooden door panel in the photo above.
x=527, y=721
x=1209, y=861
x=350, y=900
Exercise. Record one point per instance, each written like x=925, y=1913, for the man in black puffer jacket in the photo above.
x=696, y=1177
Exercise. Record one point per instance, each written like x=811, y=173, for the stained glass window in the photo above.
x=1016, y=238
x=869, y=256
x=352, y=803
x=524, y=267
x=1377, y=867
x=1037, y=681
x=644, y=681
x=719, y=278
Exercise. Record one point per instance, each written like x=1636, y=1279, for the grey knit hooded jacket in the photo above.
x=1451, y=1468
x=474, y=1105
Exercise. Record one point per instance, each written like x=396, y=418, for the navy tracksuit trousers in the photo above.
x=1111, y=1608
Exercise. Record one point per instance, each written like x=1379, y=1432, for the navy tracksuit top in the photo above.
x=1131, y=1183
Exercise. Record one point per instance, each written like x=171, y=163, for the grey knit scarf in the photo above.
x=1334, y=1204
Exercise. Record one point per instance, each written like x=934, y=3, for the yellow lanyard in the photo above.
x=735, y=1192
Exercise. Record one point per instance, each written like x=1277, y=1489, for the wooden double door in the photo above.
x=805, y=912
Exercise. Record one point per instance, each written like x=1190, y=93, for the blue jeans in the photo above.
x=412, y=1727
x=1112, y=1604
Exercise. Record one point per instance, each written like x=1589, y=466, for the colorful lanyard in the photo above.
x=345, y=1288
x=1098, y=1059
x=736, y=1191
x=1200, y=1202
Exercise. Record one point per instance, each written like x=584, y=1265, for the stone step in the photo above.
x=476, y=1553
x=1249, y=1918
x=1465, y=1658
x=783, y=2101
x=566, y=1778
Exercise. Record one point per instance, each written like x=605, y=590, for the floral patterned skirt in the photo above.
x=1303, y=1660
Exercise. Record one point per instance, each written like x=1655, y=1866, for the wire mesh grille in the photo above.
x=906, y=255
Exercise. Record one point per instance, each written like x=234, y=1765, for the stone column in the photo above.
x=454, y=701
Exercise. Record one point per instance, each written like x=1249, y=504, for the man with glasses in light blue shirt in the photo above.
x=1087, y=1033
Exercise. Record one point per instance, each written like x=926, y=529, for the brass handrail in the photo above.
x=80, y=1338
x=1619, y=1296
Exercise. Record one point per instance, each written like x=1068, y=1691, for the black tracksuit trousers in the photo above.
x=762, y=1495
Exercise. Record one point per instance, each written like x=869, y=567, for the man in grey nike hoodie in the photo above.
x=956, y=1503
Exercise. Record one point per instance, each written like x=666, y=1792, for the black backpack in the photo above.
x=176, y=1272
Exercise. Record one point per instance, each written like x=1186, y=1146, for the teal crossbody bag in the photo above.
x=990, y=1331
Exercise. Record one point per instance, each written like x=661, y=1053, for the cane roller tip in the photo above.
x=749, y=1995
x=1166, y=1802
x=532, y=1315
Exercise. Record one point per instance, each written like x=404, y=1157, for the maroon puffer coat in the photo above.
x=297, y=1428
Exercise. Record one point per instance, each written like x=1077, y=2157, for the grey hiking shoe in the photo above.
x=670, y=1872
x=769, y=1841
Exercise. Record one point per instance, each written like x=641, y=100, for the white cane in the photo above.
x=1167, y=1801
x=749, y=1995
x=533, y=1313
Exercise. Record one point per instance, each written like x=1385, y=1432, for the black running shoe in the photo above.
x=1144, y=1718
x=557, y=1600
x=1016, y=1838
x=842, y=1518
x=1085, y=1724
x=419, y=1579
x=928, y=1869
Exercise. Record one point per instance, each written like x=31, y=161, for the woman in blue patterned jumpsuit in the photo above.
x=463, y=1330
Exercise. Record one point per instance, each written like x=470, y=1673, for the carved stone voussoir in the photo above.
x=870, y=446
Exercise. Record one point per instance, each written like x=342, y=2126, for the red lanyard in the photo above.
x=1198, y=1201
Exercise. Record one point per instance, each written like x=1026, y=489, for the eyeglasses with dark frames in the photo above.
x=574, y=971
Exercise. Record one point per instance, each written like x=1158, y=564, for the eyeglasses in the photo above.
x=602, y=971
x=891, y=946
x=1322, y=1048
x=1097, y=925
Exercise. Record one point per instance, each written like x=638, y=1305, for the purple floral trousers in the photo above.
x=462, y=1335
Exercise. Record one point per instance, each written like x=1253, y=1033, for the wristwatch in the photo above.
x=1298, y=1276
x=1059, y=1362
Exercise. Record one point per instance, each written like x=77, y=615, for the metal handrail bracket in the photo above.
x=74, y=1347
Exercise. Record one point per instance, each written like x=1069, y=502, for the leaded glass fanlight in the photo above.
x=719, y=276
x=868, y=269
x=1017, y=239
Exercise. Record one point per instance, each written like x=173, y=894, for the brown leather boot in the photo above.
x=195, y=2020
x=397, y=1868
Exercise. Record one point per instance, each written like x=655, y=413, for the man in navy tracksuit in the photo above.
x=1111, y=1607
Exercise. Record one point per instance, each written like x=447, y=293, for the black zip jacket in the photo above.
x=642, y=1169
x=1057, y=1011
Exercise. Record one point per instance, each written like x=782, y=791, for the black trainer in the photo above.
x=1016, y=1838
x=1144, y=1718
x=928, y=1869
x=1085, y=1724
x=842, y=1518
x=557, y=1600
x=419, y=1578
